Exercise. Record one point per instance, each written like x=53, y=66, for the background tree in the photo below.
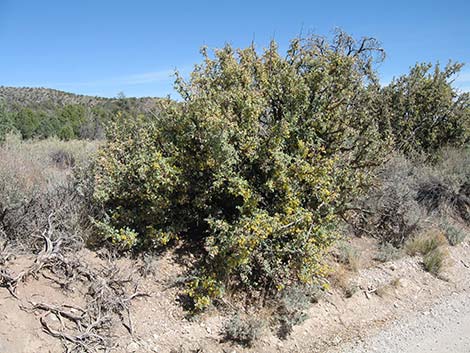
x=7, y=121
x=27, y=122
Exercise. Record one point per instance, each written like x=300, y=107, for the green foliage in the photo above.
x=7, y=122
x=424, y=112
x=293, y=305
x=66, y=132
x=42, y=113
x=453, y=234
x=388, y=252
x=243, y=331
x=254, y=164
x=32, y=123
x=26, y=121
x=434, y=261
x=49, y=126
x=71, y=118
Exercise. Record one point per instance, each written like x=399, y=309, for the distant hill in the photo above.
x=50, y=99
x=45, y=112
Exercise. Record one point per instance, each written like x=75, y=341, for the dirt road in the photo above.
x=445, y=328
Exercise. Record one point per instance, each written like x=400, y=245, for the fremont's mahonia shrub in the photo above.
x=424, y=111
x=255, y=163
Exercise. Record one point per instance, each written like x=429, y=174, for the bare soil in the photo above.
x=386, y=294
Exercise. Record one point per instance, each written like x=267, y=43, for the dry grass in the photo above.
x=37, y=187
x=434, y=261
x=431, y=245
x=386, y=289
x=340, y=278
x=425, y=243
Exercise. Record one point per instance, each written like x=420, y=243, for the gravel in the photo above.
x=443, y=328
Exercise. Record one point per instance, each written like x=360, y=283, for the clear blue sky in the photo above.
x=102, y=47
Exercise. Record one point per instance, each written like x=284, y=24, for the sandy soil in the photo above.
x=412, y=314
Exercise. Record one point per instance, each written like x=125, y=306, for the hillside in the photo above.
x=45, y=112
x=49, y=99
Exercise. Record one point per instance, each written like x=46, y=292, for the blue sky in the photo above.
x=103, y=47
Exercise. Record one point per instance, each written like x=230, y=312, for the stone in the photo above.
x=132, y=347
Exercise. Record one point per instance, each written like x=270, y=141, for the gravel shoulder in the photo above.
x=442, y=328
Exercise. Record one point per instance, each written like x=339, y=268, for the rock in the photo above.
x=132, y=347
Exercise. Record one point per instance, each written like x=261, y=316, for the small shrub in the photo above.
x=425, y=243
x=441, y=197
x=413, y=193
x=395, y=283
x=383, y=290
x=243, y=331
x=351, y=289
x=349, y=255
x=434, y=260
x=454, y=236
x=443, y=189
x=341, y=279
x=293, y=305
x=387, y=252
x=63, y=158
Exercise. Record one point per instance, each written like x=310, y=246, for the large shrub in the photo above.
x=254, y=164
x=424, y=111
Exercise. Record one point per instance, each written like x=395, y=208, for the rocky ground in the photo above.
x=394, y=307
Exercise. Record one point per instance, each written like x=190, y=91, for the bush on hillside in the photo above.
x=254, y=164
